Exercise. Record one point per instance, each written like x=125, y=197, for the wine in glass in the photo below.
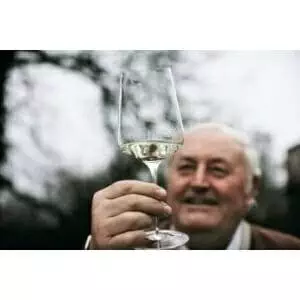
x=150, y=129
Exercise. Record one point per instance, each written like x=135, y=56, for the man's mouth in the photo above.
x=200, y=201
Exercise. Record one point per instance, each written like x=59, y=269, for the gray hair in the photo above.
x=251, y=154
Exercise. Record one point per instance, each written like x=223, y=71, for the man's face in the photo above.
x=207, y=183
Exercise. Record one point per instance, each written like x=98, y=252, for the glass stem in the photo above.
x=153, y=167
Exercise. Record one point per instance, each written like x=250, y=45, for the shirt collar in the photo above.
x=240, y=240
x=237, y=239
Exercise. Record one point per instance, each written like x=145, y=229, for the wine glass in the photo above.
x=150, y=129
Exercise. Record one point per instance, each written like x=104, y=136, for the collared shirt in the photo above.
x=240, y=240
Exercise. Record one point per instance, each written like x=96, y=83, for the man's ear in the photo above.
x=255, y=186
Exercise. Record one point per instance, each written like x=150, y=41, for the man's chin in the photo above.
x=198, y=219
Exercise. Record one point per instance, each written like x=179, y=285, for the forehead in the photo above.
x=211, y=144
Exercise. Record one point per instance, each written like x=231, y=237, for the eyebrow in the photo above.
x=187, y=158
x=211, y=160
x=219, y=160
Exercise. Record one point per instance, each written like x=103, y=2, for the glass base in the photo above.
x=167, y=239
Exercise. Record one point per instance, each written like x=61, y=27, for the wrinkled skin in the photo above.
x=122, y=211
x=207, y=188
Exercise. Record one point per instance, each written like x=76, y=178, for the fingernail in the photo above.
x=167, y=208
x=162, y=192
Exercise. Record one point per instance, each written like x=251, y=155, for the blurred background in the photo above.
x=58, y=115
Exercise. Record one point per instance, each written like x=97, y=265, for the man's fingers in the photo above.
x=136, y=202
x=122, y=188
x=129, y=239
x=122, y=211
x=127, y=221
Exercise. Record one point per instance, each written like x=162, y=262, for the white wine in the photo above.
x=150, y=151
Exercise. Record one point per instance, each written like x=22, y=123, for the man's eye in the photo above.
x=184, y=167
x=219, y=170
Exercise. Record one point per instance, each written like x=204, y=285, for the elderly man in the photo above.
x=211, y=183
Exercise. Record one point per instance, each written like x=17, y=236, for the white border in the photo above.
x=114, y=25
x=257, y=25
x=149, y=274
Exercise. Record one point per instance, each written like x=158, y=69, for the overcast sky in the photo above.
x=269, y=80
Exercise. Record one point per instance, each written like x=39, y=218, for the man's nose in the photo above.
x=200, y=180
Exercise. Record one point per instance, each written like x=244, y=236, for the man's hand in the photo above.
x=122, y=211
